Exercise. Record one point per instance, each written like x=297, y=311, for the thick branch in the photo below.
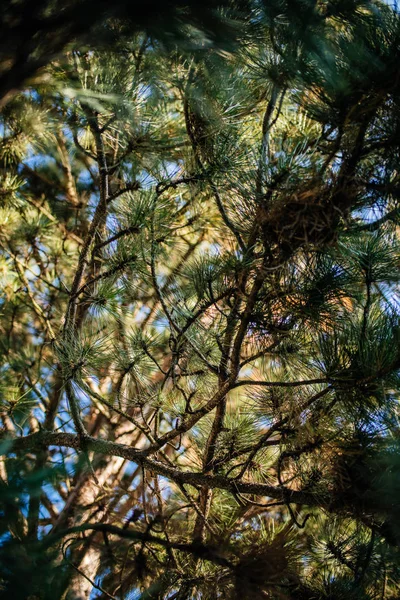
x=44, y=439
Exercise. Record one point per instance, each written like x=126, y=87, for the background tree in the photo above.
x=200, y=331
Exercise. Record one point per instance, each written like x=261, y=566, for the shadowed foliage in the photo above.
x=199, y=297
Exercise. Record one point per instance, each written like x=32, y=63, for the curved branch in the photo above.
x=44, y=439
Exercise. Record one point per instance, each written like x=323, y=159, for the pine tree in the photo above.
x=199, y=314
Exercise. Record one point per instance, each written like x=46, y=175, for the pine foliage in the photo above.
x=199, y=297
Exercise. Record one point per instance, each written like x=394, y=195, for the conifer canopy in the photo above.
x=199, y=300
